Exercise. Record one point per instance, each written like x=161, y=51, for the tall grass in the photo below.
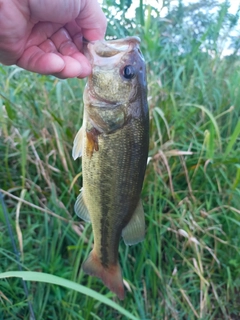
x=188, y=265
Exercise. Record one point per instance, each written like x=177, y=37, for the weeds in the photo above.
x=188, y=265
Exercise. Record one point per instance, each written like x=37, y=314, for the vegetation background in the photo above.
x=188, y=267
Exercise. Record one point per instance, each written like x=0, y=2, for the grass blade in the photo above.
x=49, y=278
x=212, y=118
x=233, y=139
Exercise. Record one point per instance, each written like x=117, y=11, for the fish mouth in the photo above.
x=103, y=52
x=109, y=57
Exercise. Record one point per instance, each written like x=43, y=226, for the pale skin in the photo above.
x=45, y=36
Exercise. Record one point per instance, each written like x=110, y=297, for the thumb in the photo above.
x=92, y=20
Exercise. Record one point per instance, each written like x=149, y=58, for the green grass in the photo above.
x=188, y=265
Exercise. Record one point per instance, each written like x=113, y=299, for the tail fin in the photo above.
x=111, y=276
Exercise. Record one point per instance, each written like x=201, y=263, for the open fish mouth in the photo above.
x=111, y=48
x=100, y=52
x=114, y=65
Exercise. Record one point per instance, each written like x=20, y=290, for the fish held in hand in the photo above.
x=113, y=143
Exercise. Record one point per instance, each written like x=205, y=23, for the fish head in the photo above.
x=118, y=71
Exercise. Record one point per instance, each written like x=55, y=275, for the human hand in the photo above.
x=45, y=36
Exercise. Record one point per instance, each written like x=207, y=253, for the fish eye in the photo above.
x=129, y=72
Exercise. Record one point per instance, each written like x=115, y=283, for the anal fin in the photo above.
x=134, y=231
x=81, y=209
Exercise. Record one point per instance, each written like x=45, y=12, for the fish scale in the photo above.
x=115, y=186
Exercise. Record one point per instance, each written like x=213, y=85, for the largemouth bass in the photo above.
x=113, y=143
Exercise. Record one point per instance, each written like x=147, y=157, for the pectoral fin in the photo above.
x=92, y=141
x=77, y=144
x=134, y=231
x=81, y=209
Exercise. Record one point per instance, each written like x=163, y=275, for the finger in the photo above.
x=41, y=32
x=48, y=46
x=36, y=60
x=75, y=33
x=59, y=11
x=55, y=40
x=63, y=42
x=65, y=46
x=92, y=20
x=45, y=30
x=88, y=15
x=73, y=68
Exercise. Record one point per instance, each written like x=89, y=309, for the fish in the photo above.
x=113, y=143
